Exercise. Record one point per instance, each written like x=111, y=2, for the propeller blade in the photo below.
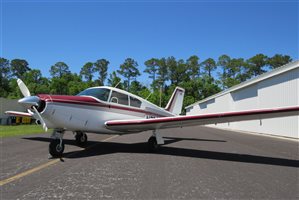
x=23, y=88
x=41, y=119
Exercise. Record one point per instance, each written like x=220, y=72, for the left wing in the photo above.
x=138, y=125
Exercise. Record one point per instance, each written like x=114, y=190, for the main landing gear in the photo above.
x=81, y=138
x=154, y=142
x=56, y=146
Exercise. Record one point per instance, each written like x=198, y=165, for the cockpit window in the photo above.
x=99, y=93
x=119, y=98
x=135, y=102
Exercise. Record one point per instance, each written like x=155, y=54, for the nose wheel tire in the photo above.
x=55, y=149
x=81, y=138
x=153, y=145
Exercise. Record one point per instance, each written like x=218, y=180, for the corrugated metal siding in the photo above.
x=278, y=91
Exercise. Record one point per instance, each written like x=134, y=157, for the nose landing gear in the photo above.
x=56, y=146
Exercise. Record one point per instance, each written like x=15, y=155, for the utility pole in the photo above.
x=160, y=95
x=161, y=86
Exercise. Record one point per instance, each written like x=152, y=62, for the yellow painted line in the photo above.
x=18, y=176
x=110, y=138
x=52, y=162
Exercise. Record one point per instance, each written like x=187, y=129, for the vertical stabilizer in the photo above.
x=175, y=103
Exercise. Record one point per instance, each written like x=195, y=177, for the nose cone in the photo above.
x=30, y=101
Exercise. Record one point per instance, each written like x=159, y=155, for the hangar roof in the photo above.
x=274, y=72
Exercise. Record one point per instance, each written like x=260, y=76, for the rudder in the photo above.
x=175, y=103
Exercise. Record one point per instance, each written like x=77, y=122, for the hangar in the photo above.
x=274, y=89
x=9, y=104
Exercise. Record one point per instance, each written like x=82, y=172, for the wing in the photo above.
x=16, y=113
x=138, y=125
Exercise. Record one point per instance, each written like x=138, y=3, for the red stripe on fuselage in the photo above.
x=89, y=101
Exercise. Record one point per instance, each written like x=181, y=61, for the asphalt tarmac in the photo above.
x=195, y=163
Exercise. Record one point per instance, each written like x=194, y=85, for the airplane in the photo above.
x=109, y=110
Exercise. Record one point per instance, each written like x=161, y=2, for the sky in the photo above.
x=75, y=32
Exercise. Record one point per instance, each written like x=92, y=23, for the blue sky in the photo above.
x=76, y=32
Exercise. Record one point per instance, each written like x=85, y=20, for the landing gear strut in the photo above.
x=81, y=138
x=56, y=146
x=154, y=142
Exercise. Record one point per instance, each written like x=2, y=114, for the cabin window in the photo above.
x=99, y=93
x=119, y=98
x=135, y=102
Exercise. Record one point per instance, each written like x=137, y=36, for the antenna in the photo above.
x=148, y=96
x=117, y=84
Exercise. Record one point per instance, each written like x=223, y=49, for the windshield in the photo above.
x=99, y=93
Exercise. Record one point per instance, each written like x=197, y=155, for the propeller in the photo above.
x=23, y=88
x=41, y=119
x=30, y=102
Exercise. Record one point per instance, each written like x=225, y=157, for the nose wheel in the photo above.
x=56, y=146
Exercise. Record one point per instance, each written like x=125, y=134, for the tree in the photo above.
x=14, y=93
x=115, y=81
x=19, y=67
x=101, y=66
x=256, y=64
x=36, y=83
x=136, y=87
x=33, y=81
x=279, y=60
x=162, y=73
x=209, y=87
x=209, y=65
x=129, y=70
x=75, y=84
x=172, y=66
x=193, y=66
x=177, y=70
x=192, y=90
x=87, y=71
x=223, y=61
x=152, y=68
x=59, y=70
x=5, y=75
x=61, y=75
x=237, y=72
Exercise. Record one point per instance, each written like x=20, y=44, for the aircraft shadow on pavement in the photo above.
x=103, y=148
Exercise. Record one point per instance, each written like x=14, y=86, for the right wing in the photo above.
x=138, y=125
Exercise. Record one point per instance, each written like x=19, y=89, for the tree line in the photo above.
x=200, y=79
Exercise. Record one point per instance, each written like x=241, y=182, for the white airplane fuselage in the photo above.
x=89, y=114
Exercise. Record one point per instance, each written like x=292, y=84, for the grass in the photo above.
x=16, y=130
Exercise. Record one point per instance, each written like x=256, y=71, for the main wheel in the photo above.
x=55, y=149
x=81, y=138
x=153, y=145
